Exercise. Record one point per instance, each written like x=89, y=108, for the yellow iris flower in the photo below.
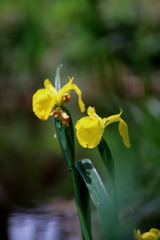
x=90, y=129
x=44, y=100
x=153, y=234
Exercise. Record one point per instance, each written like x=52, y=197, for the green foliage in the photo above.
x=107, y=158
x=83, y=204
x=66, y=139
x=99, y=196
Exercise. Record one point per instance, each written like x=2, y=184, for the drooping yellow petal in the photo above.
x=79, y=93
x=42, y=103
x=123, y=130
x=89, y=132
x=123, y=127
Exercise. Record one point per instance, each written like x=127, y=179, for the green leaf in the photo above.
x=109, y=164
x=85, y=201
x=66, y=139
x=83, y=204
x=99, y=196
x=107, y=158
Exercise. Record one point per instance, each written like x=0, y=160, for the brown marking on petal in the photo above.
x=66, y=97
x=63, y=117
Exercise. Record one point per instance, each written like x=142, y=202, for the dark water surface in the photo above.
x=43, y=224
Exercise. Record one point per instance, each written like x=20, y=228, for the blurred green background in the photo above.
x=112, y=48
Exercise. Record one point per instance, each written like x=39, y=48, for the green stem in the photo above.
x=74, y=174
x=66, y=140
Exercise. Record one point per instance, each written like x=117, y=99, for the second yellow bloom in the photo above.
x=153, y=234
x=90, y=129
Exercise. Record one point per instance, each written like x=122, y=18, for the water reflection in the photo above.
x=43, y=223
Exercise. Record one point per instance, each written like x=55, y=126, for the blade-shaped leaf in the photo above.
x=109, y=164
x=99, y=196
x=66, y=139
x=107, y=158
x=83, y=204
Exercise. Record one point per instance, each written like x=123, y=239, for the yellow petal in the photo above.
x=80, y=102
x=66, y=88
x=89, y=132
x=149, y=236
x=123, y=127
x=113, y=118
x=92, y=113
x=69, y=86
x=48, y=85
x=42, y=103
x=154, y=230
x=123, y=130
x=137, y=235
